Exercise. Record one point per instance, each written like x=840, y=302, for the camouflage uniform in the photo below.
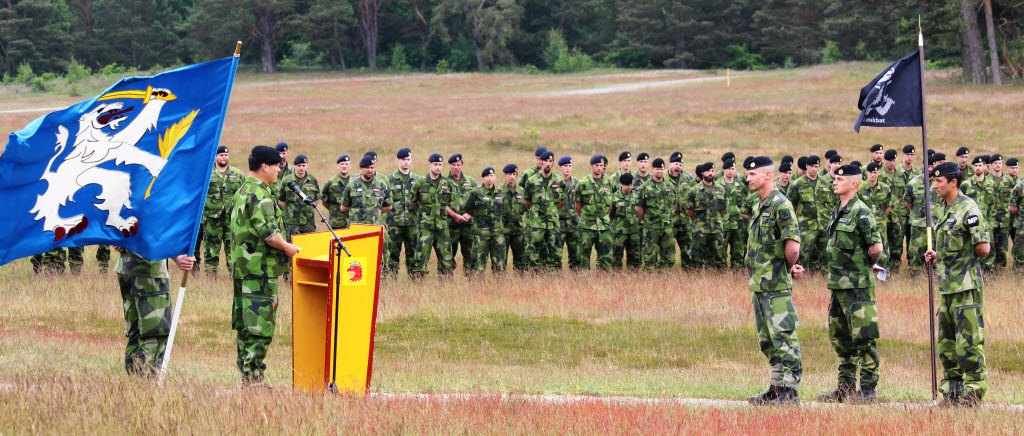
x=917, y=236
x=216, y=215
x=281, y=184
x=625, y=229
x=999, y=220
x=595, y=198
x=852, y=315
x=983, y=193
x=75, y=259
x=330, y=195
x=658, y=200
x=431, y=197
x=879, y=198
x=525, y=176
x=898, y=229
x=734, y=226
x=801, y=194
x=103, y=257
x=638, y=180
x=772, y=222
x=487, y=206
x=255, y=217
x=402, y=226
x=544, y=194
x=827, y=201
x=1017, y=199
x=298, y=216
x=708, y=206
x=52, y=261
x=365, y=200
x=958, y=228
x=515, y=235
x=569, y=225
x=681, y=222
x=146, y=294
x=461, y=235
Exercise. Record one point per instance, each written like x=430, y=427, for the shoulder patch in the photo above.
x=972, y=220
x=784, y=214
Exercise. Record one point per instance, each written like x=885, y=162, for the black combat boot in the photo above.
x=787, y=397
x=864, y=396
x=971, y=399
x=760, y=400
x=837, y=396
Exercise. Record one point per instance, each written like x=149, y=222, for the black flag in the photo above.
x=893, y=99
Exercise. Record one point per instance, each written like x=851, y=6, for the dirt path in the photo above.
x=628, y=87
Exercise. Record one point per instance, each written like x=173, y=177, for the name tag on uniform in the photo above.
x=844, y=220
x=376, y=190
x=950, y=220
x=519, y=197
x=232, y=176
x=444, y=187
x=359, y=189
x=554, y=186
x=465, y=184
x=497, y=198
x=766, y=214
x=487, y=198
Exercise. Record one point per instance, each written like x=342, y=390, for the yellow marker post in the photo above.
x=728, y=81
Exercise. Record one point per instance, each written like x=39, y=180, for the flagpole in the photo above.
x=928, y=213
x=192, y=245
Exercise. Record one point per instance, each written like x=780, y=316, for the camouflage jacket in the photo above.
x=276, y=188
x=296, y=212
x=772, y=222
x=999, y=200
x=659, y=200
x=735, y=195
x=899, y=187
x=525, y=176
x=514, y=208
x=365, y=200
x=487, y=206
x=914, y=194
x=683, y=184
x=827, y=200
x=134, y=265
x=544, y=194
x=801, y=194
x=595, y=198
x=460, y=193
x=568, y=219
x=638, y=180
x=401, y=194
x=878, y=198
x=1017, y=199
x=851, y=232
x=784, y=189
x=958, y=228
x=982, y=193
x=431, y=197
x=624, y=219
x=708, y=206
x=331, y=196
x=255, y=217
x=222, y=189
x=615, y=178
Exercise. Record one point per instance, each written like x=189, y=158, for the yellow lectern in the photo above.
x=334, y=309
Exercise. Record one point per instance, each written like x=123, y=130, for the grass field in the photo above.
x=652, y=335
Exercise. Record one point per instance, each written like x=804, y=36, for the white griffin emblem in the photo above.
x=93, y=147
x=882, y=102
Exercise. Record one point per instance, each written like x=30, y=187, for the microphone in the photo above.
x=302, y=195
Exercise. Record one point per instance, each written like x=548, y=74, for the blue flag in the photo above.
x=893, y=99
x=129, y=167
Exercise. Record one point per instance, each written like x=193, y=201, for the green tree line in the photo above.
x=55, y=36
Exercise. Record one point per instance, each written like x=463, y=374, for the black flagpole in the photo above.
x=928, y=213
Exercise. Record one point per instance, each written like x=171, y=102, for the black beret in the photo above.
x=676, y=154
x=455, y=158
x=487, y=172
x=281, y=146
x=758, y=162
x=829, y=154
x=931, y=151
x=344, y=158
x=624, y=155
x=747, y=160
x=728, y=163
x=909, y=148
x=564, y=160
x=596, y=159
x=265, y=155
x=728, y=155
x=510, y=168
x=945, y=169
x=1011, y=162
x=787, y=158
x=222, y=149
x=995, y=157
x=658, y=163
x=300, y=159
x=848, y=170
x=835, y=158
x=436, y=157
x=933, y=159
x=985, y=158
x=643, y=156
x=890, y=155
x=978, y=160
x=876, y=147
x=801, y=163
x=539, y=151
x=626, y=179
x=939, y=156
x=857, y=163
x=962, y=151
x=813, y=160
x=366, y=161
x=404, y=153
x=547, y=155
x=873, y=166
x=676, y=159
x=785, y=167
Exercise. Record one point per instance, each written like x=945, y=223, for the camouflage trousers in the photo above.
x=517, y=243
x=736, y=240
x=883, y=260
x=853, y=329
x=50, y=262
x=432, y=239
x=253, y=317
x=659, y=248
x=397, y=237
x=216, y=234
x=338, y=219
x=895, y=232
x=810, y=255
x=297, y=229
x=489, y=243
x=706, y=250
x=917, y=244
x=683, y=237
x=570, y=243
x=777, y=321
x=961, y=344
x=103, y=257
x=1018, y=251
x=996, y=258
x=630, y=243
x=544, y=248
x=589, y=240
x=147, y=314
x=462, y=240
